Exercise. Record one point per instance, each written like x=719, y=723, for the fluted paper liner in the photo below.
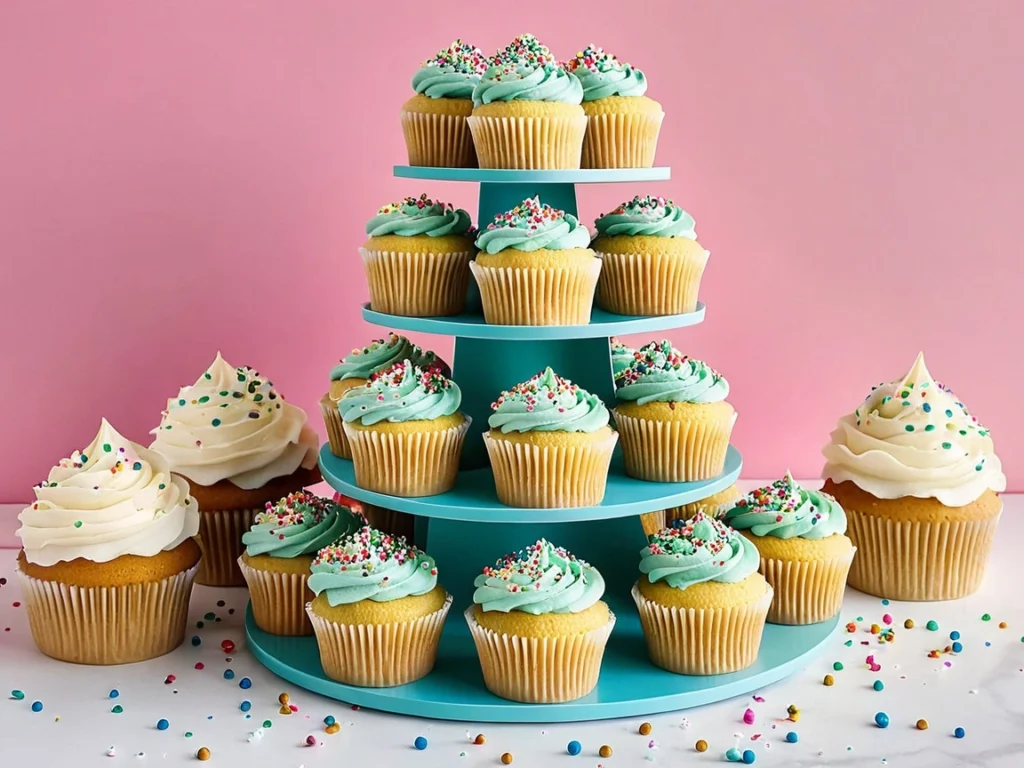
x=550, y=296
x=407, y=464
x=336, y=436
x=653, y=521
x=708, y=641
x=650, y=283
x=379, y=655
x=806, y=591
x=417, y=284
x=278, y=600
x=550, y=476
x=439, y=141
x=108, y=625
x=220, y=539
x=621, y=140
x=528, y=142
x=919, y=560
x=540, y=670
x=674, y=451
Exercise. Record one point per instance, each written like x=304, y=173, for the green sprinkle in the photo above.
x=241, y=377
x=117, y=709
x=181, y=402
x=949, y=414
x=223, y=393
x=932, y=626
x=860, y=618
x=838, y=666
x=986, y=617
x=978, y=467
x=963, y=432
x=848, y=643
x=909, y=427
x=188, y=734
x=905, y=393
x=78, y=523
x=19, y=695
x=204, y=399
x=947, y=446
x=257, y=398
x=216, y=422
x=137, y=466
x=106, y=447
x=208, y=375
x=267, y=723
x=905, y=402
x=930, y=428
x=210, y=616
x=162, y=486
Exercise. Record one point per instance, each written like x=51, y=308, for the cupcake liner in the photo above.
x=440, y=141
x=108, y=625
x=407, y=464
x=621, y=140
x=528, y=142
x=278, y=600
x=549, y=296
x=417, y=284
x=390, y=521
x=674, y=451
x=335, y=430
x=702, y=641
x=379, y=655
x=550, y=476
x=220, y=539
x=540, y=670
x=806, y=591
x=653, y=521
x=919, y=560
x=650, y=283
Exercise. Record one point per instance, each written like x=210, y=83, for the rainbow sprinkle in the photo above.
x=460, y=57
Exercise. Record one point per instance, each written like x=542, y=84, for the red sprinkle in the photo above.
x=200, y=665
x=227, y=646
x=169, y=679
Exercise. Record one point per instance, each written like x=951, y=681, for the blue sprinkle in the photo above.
x=245, y=683
x=878, y=685
x=114, y=693
x=196, y=640
x=882, y=720
x=245, y=706
x=959, y=733
x=420, y=743
x=37, y=706
x=574, y=748
x=957, y=647
x=229, y=674
x=329, y=720
x=954, y=635
x=792, y=737
x=987, y=644
x=162, y=725
x=749, y=757
x=926, y=408
x=885, y=602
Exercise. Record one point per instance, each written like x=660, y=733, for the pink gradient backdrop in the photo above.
x=181, y=177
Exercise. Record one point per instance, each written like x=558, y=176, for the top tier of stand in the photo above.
x=498, y=176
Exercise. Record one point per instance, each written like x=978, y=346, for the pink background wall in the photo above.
x=181, y=177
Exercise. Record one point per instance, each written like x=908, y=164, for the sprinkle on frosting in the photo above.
x=526, y=51
x=697, y=550
x=622, y=357
x=548, y=403
x=659, y=372
x=602, y=75
x=431, y=379
x=299, y=524
x=459, y=57
x=647, y=215
x=367, y=550
x=526, y=70
x=362, y=362
x=785, y=509
x=402, y=392
x=421, y=215
x=533, y=225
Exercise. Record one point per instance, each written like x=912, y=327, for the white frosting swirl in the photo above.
x=113, y=498
x=912, y=437
x=233, y=425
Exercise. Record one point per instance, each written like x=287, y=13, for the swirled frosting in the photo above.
x=299, y=524
x=622, y=356
x=659, y=373
x=419, y=216
x=531, y=226
x=525, y=70
x=647, y=215
x=540, y=579
x=380, y=354
x=913, y=437
x=548, y=403
x=602, y=75
x=787, y=510
x=452, y=73
x=233, y=425
x=111, y=499
x=701, y=549
x=371, y=565
x=402, y=392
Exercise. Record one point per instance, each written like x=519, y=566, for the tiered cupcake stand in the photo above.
x=467, y=528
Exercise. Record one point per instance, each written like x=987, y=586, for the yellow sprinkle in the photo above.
x=605, y=751
x=203, y=754
x=645, y=728
x=701, y=746
x=333, y=728
x=922, y=725
x=506, y=759
x=284, y=698
x=1002, y=625
x=285, y=710
x=908, y=624
x=875, y=629
x=829, y=680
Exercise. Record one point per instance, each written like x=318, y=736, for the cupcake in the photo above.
x=651, y=262
x=434, y=120
x=535, y=267
x=417, y=258
x=356, y=368
x=702, y=602
x=804, y=554
x=526, y=110
x=279, y=549
x=622, y=123
x=378, y=610
x=549, y=444
x=239, y=445
x=919, y=480
x=405, y=430
x=673, y=417
x=539, y=625
x=109, y=559
x=715, y=505
x=622, y=356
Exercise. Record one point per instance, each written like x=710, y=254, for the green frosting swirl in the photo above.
x=525, y=70
x=660, y=373
x=403, y=392
x=452, y=74
x=622, y=357
x=371, y=565
x=786, y=510
x=531, y=226
x=299, y=524
x=654, y=216
x=548, y=403
x=538, y=580
x=602, y=75
x=701, y=549
x=418, y=216
x=383, y=353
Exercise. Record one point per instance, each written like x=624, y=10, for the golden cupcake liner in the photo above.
x=548, y=296
x=390, y=521
x=336, y=436
x=550, y=476
x=674, y=451
x=806, y=591
x=540, y=670
x=919, y=560
x=220, y=539
x=440, y=141
x=702, y=641
x=621, y=140
x=108, y=625
x=379, y=655
x=407, y=464
x=278, y=600
x=417, y=284
x=528, y=142
x=650, y=283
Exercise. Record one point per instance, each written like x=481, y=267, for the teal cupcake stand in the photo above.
x=467, y=527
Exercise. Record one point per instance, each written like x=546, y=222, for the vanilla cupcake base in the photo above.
x=537, y=296
x=626, y=140
x=676, y=451
x=417, y=284
x=438, y=140
x=528, y=142
x=806, y=591
x=650, y=283
x=278, y=600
